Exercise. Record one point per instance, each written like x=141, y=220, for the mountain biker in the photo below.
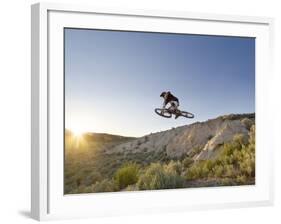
x=174, y=102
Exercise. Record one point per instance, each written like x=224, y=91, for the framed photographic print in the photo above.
x=148, y=111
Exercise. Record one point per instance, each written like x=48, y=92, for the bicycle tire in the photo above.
x=161, y=112
x=186, y=114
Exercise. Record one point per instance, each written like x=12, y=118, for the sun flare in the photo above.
x=77, y=133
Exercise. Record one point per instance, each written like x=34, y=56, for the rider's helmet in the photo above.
x=162, y=94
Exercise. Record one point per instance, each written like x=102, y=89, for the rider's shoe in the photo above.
x=177, y=113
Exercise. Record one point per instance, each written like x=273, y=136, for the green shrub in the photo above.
x=218, y=171
x=81, y=189
x=132, y=188
x=247, y=123
x=187, y=162
x=240, y=139
x=208, y=165
x=192, y=173
x=157, y=177
x=229, y=170
x=201, y=169
x=241, y=179
x=227, y=182
x=104, y=186
x=173, y=167
x=91, y=178
x=252, y=135
x=127, y=175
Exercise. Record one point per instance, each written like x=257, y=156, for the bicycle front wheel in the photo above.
x=163, y=112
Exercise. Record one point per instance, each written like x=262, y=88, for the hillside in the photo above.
x=93, y=141
x=198, y=140
x=216, y=152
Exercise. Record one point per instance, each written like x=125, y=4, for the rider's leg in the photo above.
x=163, y=107
x=176, y=105
x=177, y=112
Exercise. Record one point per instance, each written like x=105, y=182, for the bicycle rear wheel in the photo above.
x=163, y=112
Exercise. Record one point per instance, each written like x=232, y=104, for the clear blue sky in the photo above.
x=113, y=79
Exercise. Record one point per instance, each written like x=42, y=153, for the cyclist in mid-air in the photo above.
x=169, y=98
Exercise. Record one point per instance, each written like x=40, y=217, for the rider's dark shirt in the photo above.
x=170, y=97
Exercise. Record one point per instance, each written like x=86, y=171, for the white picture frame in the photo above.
x=48, y=201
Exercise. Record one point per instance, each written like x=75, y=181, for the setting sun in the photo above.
x=78, y=133
x=76, y=139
